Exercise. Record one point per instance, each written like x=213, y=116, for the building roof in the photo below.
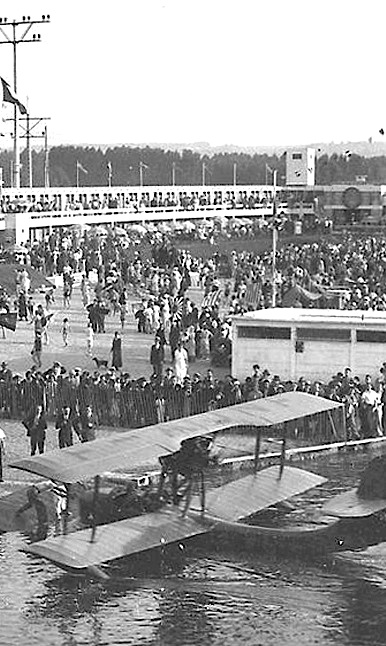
x=300, y=316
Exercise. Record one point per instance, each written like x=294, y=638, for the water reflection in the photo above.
x=213, y=596
x=362, y=598
x=124, y=611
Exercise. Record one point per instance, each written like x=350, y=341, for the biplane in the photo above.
x=225, y=508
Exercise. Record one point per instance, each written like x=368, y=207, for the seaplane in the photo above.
x=226, y=509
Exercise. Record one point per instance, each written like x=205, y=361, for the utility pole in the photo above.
x=46, y=160
x=235, y=174
x=142, y=167
x=274, y=241
x=13, y=35
x=31, y=123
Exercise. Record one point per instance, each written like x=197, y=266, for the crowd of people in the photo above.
x=77, y=401
x=232, y=284
x=138, y=200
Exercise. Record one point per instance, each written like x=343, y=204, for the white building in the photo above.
x=300, y=167
x=309, y=343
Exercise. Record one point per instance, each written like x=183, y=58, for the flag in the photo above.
x=211, y=300
x=8, y=320
x=10, y=97
x=177, y=309
x=252, y=294
x=80, y=167
x=109, y=169
x=268, y=168
x=143, y=165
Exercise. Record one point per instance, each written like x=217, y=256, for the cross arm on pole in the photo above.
x=7, y=38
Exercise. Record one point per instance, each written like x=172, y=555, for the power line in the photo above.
x=13, y=34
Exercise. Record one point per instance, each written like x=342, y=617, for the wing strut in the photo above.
x=94, y=510
x=282, y=455
x=202, y=492
x=257, y=450
x=66, y=510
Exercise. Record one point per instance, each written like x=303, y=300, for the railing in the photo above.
x=127, y=215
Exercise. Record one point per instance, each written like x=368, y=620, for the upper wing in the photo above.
x=138, y=447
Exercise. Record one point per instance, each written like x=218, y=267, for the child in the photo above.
x=90, y=339
x=65, y=331
x=49, y=298
x=122, y=315
x=30, y=307
x=36, y=351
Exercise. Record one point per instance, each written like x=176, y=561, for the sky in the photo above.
x=241, y=72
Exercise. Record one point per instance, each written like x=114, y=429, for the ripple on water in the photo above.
x=215, y=597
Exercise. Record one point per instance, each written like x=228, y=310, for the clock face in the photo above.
x=352, y=198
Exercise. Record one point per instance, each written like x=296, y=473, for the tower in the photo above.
x=300, y=167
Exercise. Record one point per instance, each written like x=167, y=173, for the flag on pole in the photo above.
x=10, y=97
x=252, y=294
x=109, y=169
x=8, y=320
x=82, y=168
x=143, y=165
x=211, y=300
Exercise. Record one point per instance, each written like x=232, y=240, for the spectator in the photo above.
x=2, y=452
x=65, y=331
x=64, y=426
x=90, y=339
x=116, y=350
x=180, y=363
x=36, y=426
x=157, y=357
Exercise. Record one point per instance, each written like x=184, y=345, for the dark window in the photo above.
x=318, y=334
x=254, y=332
x=371, y=336
x=297, y=156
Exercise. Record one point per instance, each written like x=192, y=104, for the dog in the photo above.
x=100, y=363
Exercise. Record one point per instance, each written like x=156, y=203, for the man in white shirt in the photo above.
x=370, y=402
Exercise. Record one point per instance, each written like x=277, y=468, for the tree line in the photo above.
x=125, y=164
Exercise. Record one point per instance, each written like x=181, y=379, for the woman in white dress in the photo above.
x=190, y=342
x=180, y=362
x=205, y=343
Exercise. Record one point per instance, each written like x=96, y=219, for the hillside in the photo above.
x=361, y=148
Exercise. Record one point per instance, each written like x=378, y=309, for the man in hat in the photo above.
x=64, y=425
x=157, y=356
x=5, y=387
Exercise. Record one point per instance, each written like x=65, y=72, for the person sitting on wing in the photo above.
x=189, y=462
x=34, y=502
